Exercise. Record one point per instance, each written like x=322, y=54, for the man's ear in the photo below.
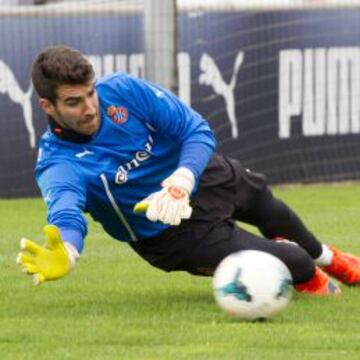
x=47, y=106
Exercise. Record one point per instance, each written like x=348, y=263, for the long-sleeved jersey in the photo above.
x=145, y=133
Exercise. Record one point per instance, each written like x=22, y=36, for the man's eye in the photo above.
x=72, y=103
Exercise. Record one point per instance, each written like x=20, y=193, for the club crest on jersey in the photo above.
x=118, y=114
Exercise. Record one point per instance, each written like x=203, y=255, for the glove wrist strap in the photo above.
x=73, y=253
x=183, y=178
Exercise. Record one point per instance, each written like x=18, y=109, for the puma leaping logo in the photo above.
x=10, y=86
x=211, y=76
x=84, y=153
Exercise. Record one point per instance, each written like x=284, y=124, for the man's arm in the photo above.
x=64, y=193
x=63, y=189
x=174, y=119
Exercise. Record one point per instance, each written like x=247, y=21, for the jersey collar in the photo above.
x=66, y=134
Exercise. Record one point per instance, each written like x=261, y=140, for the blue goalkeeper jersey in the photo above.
x=145, y=134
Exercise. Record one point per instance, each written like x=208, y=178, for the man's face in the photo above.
x=76, y=108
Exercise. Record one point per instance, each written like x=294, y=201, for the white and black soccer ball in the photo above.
x=252, y=285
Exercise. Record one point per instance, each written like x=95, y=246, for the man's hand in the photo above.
x=171, y=204
x=49, y=262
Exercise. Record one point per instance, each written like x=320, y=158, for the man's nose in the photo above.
x=89, y=107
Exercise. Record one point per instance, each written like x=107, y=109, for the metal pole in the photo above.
x=160, y=26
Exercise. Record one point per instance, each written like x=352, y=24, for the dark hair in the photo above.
x=59, y=65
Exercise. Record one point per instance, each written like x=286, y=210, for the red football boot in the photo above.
x=344, y=266
x=320, y=284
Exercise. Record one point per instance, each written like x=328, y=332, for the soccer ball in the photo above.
x=252, y=285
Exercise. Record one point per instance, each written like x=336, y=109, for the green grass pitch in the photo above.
x=115, y=306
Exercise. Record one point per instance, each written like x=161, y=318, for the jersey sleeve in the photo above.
x=168, y=115
x=64, y=192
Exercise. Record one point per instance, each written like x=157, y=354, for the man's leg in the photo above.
x=276, y=220
x=226, y=238
x=226, y=189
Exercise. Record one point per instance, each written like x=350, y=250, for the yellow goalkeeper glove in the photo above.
x=49, y=262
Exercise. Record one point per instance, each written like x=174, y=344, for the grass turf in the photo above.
x=115, y=306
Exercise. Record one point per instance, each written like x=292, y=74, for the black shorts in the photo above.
x=226, y=191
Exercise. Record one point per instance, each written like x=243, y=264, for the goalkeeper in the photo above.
x=143, y=164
